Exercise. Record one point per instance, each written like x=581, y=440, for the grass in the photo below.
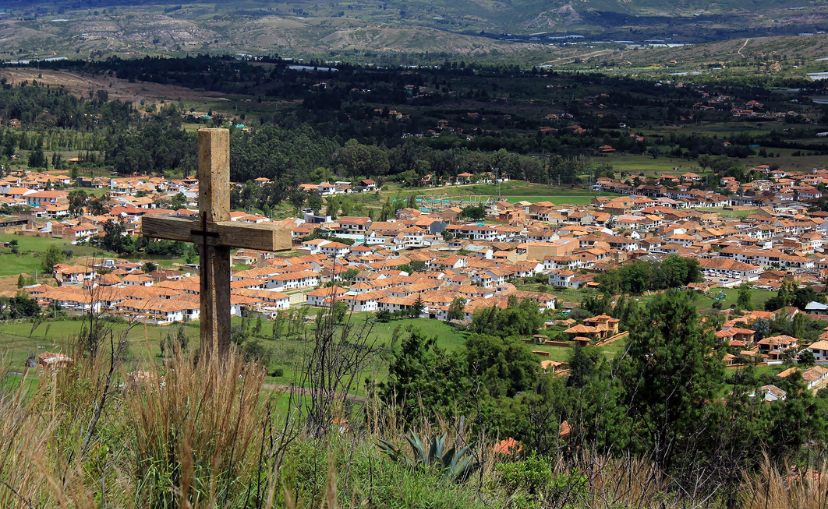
x=19, y=339
x=28, y=260
x=510, y=188
x=727, y=213
x=557, y=200
x=563, y=354
x=758, y=297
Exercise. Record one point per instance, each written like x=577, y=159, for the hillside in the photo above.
x=466, y=27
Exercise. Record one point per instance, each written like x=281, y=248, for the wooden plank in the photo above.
x=214, y=174
x=262, y=237
x=165, y=226
x=214, y=318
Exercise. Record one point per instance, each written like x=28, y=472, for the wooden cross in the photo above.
x=215, y=234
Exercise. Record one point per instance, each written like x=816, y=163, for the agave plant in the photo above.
x=458, y=465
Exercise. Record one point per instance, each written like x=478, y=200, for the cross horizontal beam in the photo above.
x=262, y=237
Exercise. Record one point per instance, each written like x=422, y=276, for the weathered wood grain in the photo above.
x=263, y=237
x=214, y=174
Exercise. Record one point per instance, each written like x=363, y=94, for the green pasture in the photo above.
x=727, y=213
x=758, y=298
x=558, y=200
x=28, y=260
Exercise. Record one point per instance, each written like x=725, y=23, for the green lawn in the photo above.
x=29, y=259
x=18, y=339
x=511, y=188
x=558, y=200
x=727, y=213
x=563, y=354
x=644, y=165
x=759, y=297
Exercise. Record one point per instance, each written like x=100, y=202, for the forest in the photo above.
x=455, y=118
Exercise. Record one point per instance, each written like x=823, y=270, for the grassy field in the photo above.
x=29, y=258
x=557, y=200
x=728, y=213
x=510, y=188
x=17, y=340
x=759, y=297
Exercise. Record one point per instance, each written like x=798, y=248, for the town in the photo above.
x=436, y=263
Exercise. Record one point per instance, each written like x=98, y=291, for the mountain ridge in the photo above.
x=98, y=28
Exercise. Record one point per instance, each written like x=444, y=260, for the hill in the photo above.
x=465, y=27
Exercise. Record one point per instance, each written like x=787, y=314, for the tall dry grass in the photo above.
x=27, y=425
x=197, y=432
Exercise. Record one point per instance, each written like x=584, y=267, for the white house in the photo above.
x=319, y=296
x=820, y=350
x=563, y=278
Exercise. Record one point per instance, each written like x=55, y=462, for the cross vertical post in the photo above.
x=215, y=234
x=214, y=260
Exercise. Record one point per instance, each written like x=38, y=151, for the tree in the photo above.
x=340, y=309
x=297, y=199
x=383, y=316
x=77, y=200
x=37, y=159
x=457, y=309
x=178, y=201
x=54, y=255
x=98, y=206
x=14, y=246
x=669, y=373
x=149, y=267
x=518, y=319
x=115, y=240
x=355, y=160
x=581, y=366
x=418, y=266
x=417, y=307
x=19, y=306
x=744, y=299
x=806, y=358
x=21, y=281
x=424, y=378
x=475, y=212
x=506, y=366
x=315, y=201
x=349, y=275
x=762, y=328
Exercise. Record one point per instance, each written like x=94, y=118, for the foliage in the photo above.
x=532, y=475
x=806, y=358
x=340, y=310
x=349, y=275
x=19, y=306
x=115, y=238
x=54, y=256
x=457, y=309
x=744, y=299
x=475, y=212
x=77, y=200
x=582, y=366
x=671, y=369
x=455, y=464
x=521, y=319
x=423, y=378
x=638, y=276
x=505, y=365
x=762, y=328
